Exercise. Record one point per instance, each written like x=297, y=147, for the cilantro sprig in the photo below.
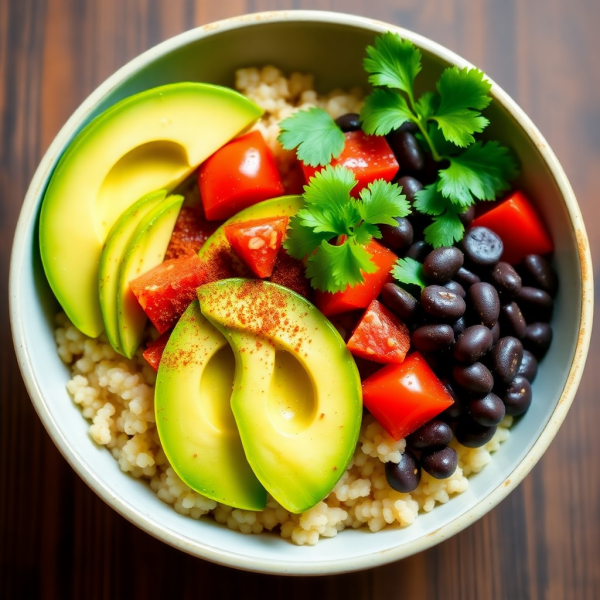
x=333, y=228
x=314, y=133
x=410, y=271
x=447, y=121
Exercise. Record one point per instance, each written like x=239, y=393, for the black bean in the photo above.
x=482, y=246
x=442, y=303
x=496, y=332
x=538, y=273
x=397, y=237
x=467, y=216
x=535, y=304
x=405, y=476
x=455, y=287
x=434, y=434
x=471, y=434
x=512, y=320
x=484, y=303
x=410, y=186
x=476, y=378
x=418, y=250
x=440, y=464
x=528, y=367
x=405, y=147
x=488, y=411
x=506, y=280
x=506, y=358
x=517, y=397
x=459, y=326
x=442, y=264
x=348, y=122
x=432, y=338
x=400, y=302
x=466, y=278
x=538, y=337
x=473, y=343
x=440, y=362
x=454, y=410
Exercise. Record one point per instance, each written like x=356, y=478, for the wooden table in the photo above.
x=59, y=541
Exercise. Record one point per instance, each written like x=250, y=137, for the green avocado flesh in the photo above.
x=149, y=141
x=112, y=256
x=193, y=415
x=296, y=396
x=146, y=249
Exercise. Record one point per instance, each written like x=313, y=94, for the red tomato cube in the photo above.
x=361, y=295
x=404, y=397
x=519, y=227
x=153, y=353
x=369, y=157
x=167, y=290
x=380, y=336
x=257, y=242
x=241, y=173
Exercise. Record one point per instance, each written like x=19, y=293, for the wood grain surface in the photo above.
x=59, y=541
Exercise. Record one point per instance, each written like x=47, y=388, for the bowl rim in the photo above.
x=211, y=553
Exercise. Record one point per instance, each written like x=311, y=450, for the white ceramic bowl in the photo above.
x=332, y=46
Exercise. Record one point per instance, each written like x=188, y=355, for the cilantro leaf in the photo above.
x=481, y=172
x=383, y=111
x=445, y=230
x=410, y=271
x=430, y=201
x=329, y=187
x=364, y=232
x=393, y=62
x=315, y=134
x=426, y=105
x=334, y=268
x=381, y=202
x=463, y=93
x=301, y=240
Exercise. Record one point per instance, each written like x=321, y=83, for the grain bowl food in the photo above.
x=117, y=395
x=313, y=42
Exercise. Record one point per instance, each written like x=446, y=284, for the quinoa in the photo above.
x=116, y=394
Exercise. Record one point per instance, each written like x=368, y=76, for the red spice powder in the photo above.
x=289, y=273
x=190, y=232
x=261, y=309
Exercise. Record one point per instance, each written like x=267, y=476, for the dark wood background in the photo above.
x=59, y=541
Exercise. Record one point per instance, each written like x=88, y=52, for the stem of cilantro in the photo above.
x=423, y=127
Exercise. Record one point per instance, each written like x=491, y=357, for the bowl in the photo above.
x=332, y=46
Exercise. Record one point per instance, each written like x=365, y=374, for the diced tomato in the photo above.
x=190, y=232
x=519, y=227
x=257, y=242
x=153, y=353
x=369, y=157
x=403, y=397
x=293, y=181
x=380, y=336
x=361, y=295
x=167, y=290
x=241, y=173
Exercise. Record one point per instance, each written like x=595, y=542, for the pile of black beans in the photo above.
x=481, y=324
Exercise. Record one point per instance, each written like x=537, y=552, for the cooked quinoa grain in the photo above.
x=116, y=395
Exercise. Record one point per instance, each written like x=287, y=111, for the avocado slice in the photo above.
x=149, y=141
x=146, y=249
x=112, y=256
x=193, y=414
x=296, y=396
